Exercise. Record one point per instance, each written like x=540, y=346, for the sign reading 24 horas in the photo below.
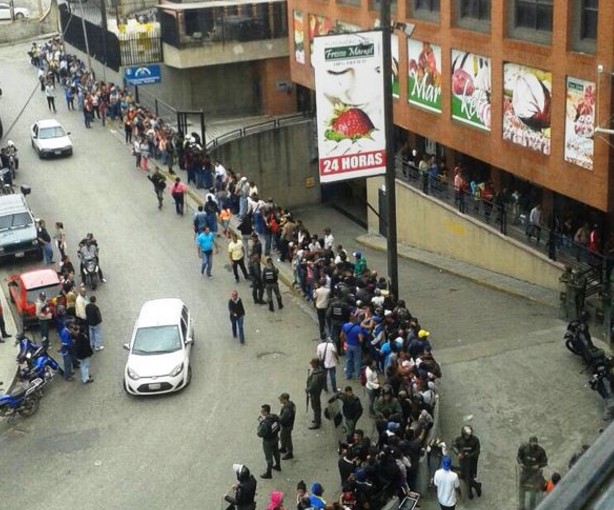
x=350, y=105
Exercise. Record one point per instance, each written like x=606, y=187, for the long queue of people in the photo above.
x=386, y=349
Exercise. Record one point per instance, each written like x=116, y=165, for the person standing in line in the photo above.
x=44, y=316
x=236, y=254
x=268, y=430
x=159, y=185
x=94, y=321
x=3, y=327
x=448, y=486
x=372, y=385
x=50, y=95
x=351, y=408
x=80, y=304
x=237, y=315
x=83, y=352
x=178, y=191
x=327, y=354
x=206, y=244
x=321, y=300
x=316, y=382
x=67, y=350
x=270, y=278
x=44, y=240
x=287, y=415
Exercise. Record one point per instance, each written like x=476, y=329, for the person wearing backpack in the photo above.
x=268, y=430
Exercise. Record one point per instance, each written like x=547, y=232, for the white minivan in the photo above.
x=160, y=347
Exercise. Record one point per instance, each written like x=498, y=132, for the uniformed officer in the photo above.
x=255, y=273
x=268, y=430
x=287, y=415
x=338, y=314
x=270, y=277
x=467, y=448
x=531, y=459
x=316, y=382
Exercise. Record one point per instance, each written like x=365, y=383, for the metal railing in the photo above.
x=267, y=125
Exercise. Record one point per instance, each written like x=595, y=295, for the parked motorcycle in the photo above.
x=23, y=400
x=34, y=362
x=602, y=381
x=578, y=340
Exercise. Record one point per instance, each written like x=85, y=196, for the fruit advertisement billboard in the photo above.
x=580, y=122
x=299, y=37
x=350, y=105
x=471, y=90
x=424, y=75
x=527, y=101
x=318, y=25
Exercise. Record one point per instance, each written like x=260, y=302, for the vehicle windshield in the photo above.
x=51, y=132
x=15, y=220
x=51, y=291
x=157, y=340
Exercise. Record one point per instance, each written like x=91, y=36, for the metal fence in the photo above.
x=140, y=47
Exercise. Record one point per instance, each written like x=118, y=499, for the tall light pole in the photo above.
x=87, y=43
x=390, y=178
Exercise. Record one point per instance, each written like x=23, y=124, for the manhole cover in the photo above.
x=272, y=354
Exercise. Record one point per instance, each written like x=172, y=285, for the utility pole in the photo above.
x=87, y=44
x=103, y=23
x=390, y=178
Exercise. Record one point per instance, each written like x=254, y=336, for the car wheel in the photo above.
x=189, y=380
x=19, y=16
x=70, y=152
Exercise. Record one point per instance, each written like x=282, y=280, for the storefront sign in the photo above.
x=424, y=75
x=471, y=90
x=580, y=122
x=318, y=25
x=299, y=37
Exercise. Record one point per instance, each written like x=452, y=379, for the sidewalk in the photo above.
x=8, y=350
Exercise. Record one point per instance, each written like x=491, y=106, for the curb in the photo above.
x=11, y=327
x=362, y=240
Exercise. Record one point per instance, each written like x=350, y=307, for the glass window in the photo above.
x=588, y=29
x=51, y=132
x=475, y=9
x=427, y=5
x=427, y=10
x=533, y=15
x=157, y=340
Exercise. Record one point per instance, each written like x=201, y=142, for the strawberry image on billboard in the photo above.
x=350, y=105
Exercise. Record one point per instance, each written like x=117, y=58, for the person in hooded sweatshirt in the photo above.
x=316, y=496
x=277, y=501
x=244, y=490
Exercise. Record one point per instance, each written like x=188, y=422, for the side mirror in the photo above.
x=68, y=132
x=189, y=341
x=127, y=347
x=34, y=135
x=13, y=284
x=25, y=189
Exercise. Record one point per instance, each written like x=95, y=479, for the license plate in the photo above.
x=57, y=153
x=19, y=254
x=155, y=386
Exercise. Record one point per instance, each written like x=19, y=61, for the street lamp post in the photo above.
x=87, y=43
x=390, y=178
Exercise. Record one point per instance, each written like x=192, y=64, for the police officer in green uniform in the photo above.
x=268, y=430
x=467, y=449
x=531, y=459
x=286, y=420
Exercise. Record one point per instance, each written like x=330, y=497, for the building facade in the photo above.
x=513, y=89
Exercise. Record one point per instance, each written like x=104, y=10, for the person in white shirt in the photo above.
x=220, y=175
x=329, y=240
x=372, y=385
x=326, y=352
x=448, y=486
x=321, y=299
x=534, y=225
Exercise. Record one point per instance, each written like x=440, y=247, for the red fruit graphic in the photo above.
x=352, y=123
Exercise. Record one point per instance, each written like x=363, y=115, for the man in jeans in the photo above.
x=353, y=336
x=206, y=244
x=237, y=315
x=321, y=299
x=327, y=354
x=94, y=321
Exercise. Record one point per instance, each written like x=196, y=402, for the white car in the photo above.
x=159, y=359
x=20, y=12
x=49, y=138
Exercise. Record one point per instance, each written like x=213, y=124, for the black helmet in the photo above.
x=584, y=316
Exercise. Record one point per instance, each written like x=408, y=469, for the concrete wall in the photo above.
x=11, y=32
x=428, y=224
x=278, y=161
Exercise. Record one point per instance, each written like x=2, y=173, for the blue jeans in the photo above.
x=212, y=222
x=332, y=377
x=67, y=365
x=242, y=206
x=268, y=240
x=353, y=361
x=237, y=323
x=207, y=264
x=48, y=253
x=95, y=336
x=84, y=368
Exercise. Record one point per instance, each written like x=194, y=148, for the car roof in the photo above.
x=10, y=204
x=39, y=278
x=160, y=312
x=45, y=123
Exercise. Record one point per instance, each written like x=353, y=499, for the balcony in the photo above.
x=218, y=32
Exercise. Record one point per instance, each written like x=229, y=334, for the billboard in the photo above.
x=318, y=25
x=471, y=89
x=299, y=37
x=424, y=75
x=143, y=75
x=350, y=115
x=526, y=106
x=394, y=47
x=580, y=122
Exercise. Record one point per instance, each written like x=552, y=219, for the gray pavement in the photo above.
x=505, y=368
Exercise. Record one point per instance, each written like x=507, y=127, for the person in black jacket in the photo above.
x=255, y=275
x=268, y=430
x=244, y=490
x=83, y=352
x=286, y=420
x=237, y=314
x=351, y=408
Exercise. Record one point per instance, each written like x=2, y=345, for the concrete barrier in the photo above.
x=33, y=28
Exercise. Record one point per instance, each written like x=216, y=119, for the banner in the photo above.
x=350, y=105
x=318, y=25
x=526, y=106
x=394, y=46
x=424, y=75
x=299, y=37
x=471, y=89
x=580, y=122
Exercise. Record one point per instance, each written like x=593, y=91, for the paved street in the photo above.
x=505, y=368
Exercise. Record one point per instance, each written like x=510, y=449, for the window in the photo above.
x=588, y=22
x=427, y=10
x=427, y=5
x=475, y=9
x=533, y=15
